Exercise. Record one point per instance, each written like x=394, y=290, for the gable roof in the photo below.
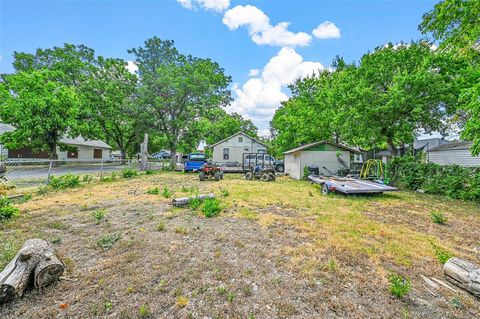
x=238, y=133
x=307, y=146
x=80, y=141
x=459, y=145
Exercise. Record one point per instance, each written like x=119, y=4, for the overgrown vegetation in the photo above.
x=7, y=211
x=454, y=181
x=441, y=253
x=438, y=217
x=68, y=180
x=166, y=192
x=129, y=172
x=211, y=207
x=399, y=286
x=153, y=191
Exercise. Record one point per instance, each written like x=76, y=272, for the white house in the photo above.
x=233, y=147
x=333, y=157
x=77, y=148
x=453, y=153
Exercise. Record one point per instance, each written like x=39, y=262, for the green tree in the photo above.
x=176, y=91
x=108, y=96
x=41, y=109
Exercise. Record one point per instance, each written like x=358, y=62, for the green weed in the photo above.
x=399, y=286
x=107, y=241
x=211, y=207
x=65, y=181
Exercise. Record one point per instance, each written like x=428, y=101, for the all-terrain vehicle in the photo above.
x=266, y=174
x=208, y=171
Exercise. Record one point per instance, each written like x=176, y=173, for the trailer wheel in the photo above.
x=272, y=177
x=217, y=176
x=325, y=189
x=248, y=176
x=265, y=177
x=221, y=175
x=201, y=176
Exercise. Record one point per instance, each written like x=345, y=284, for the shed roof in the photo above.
x=307, y=146
x=238, y=133
x=459, y=145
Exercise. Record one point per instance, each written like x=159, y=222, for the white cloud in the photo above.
x=215, y=5
x=326, y=30
x=132, y=67
x=260, y=29
x=259, y=97
x=254, y=72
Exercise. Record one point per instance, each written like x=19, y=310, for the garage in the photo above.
x=332, y=156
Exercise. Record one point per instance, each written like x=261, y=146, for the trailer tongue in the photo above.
x=347, y=185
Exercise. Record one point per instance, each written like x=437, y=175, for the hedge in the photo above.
x=454, y=181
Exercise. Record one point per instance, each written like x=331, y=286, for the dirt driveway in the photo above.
x=277, y=250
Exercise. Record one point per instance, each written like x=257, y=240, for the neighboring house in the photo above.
x=77, y=148
x=232, y=148
x=162, y=154
x=418, y=146
x=453, y=153
x=322, y=154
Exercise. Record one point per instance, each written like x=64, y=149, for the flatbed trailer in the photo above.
x=347, y=185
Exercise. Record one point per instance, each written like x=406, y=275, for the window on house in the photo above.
x=226, y=152
x=240, y=139
x=97, y=153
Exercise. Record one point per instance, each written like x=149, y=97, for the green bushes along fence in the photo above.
x=454, y=181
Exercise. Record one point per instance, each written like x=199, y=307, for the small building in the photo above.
x=233, y=147
x=70, y=148
x=332, y=156
x=453, y=153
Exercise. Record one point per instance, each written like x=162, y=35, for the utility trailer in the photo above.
x=348, y=185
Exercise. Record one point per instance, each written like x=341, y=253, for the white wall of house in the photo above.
x=85, y=153
x=459, y=157
x=236, y=145
x=295, y=163
x=3, y=151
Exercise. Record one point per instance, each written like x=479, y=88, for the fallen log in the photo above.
x=36, y=261
x=183, y=201
x=463, y=274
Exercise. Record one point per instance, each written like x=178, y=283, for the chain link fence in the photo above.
x=30, y=173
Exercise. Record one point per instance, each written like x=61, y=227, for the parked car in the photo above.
x=254, y=159
x=194, y=162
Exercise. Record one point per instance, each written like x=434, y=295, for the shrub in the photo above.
x=211, y=207
x=454, y=181
x=65, y=181
x=166, y=192
x=107, y=241
x=99, y=214
x=7, y=211
x=438, y=217
x=153, y=191
x=129, y=172
x=441, y=253
x=195, y=203
x=399, y=286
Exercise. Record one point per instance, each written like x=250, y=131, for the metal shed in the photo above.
x=454, y=153
x=319, y=154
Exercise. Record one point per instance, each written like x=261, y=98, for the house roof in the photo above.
x=306, y=146
x=80, y=141
x=4, y=128
x=459, y=145
x=238, y=133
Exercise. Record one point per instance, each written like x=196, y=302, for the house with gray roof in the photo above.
x=453, y=153
x=69, y=148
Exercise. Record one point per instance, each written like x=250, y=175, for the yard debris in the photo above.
x=35, y=263
x=463, y=274
x=429, y=282
x=183, y=201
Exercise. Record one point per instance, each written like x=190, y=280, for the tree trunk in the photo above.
x=184, y=201
x=173, y=156
x=144, y=153
x=463, y=274
x=35, y=261
x=392, y=148
x=53, y=151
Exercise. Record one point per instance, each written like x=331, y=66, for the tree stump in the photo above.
x=183, y=201
x=463, y=274
x=36, y=261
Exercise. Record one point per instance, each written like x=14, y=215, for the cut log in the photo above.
x=183, y=201
x=463, y=274
x=35, y=261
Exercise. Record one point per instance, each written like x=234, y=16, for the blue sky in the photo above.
x=240, y=35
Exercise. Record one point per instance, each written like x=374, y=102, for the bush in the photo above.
x=195, y=203
x=65, y=181
x=129, y=172
x=438, y=217
x=399, y=286
x=454, y=181
x=7, y=211
x=211, y=207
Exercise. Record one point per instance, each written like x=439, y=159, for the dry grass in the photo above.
x=278, y=250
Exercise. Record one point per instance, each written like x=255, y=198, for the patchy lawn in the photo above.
x=277, y=250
